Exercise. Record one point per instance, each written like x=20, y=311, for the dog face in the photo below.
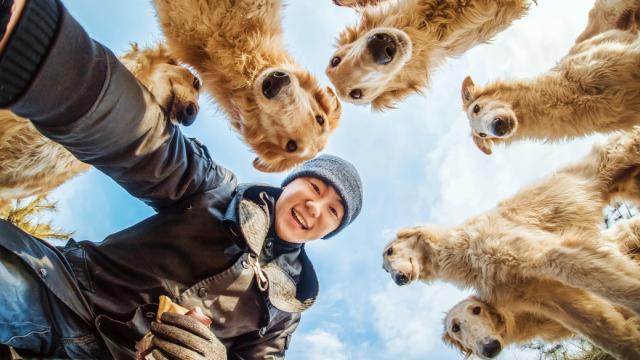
x=288, y=118
x=173, y=86
x=368, y=65
x=407, y=257
x=474, y=327
x=491, y=120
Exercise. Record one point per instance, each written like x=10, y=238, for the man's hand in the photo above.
x=184, y=337
x=14, y=14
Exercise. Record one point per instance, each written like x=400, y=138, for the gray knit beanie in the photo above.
x=342, y=176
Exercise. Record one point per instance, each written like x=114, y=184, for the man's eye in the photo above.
x=334, y=212
x=315, y=188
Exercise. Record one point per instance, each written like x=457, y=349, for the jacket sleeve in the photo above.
x=82, y=97
x=270, y=346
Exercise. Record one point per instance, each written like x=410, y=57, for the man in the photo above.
x=235, y=251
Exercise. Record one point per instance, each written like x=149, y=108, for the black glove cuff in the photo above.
x=5, y=15
x=27, y=47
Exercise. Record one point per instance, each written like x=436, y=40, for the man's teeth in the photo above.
x=299, y=219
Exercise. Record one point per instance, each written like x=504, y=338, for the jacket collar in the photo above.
x=293, y=283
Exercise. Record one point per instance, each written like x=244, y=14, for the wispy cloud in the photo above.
x=322, y=345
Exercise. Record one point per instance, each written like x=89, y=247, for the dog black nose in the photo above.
x=187, y=115
x=500, y=127
x=491, y=349
x=382, y=48
x=400, y=279
x=274, y=82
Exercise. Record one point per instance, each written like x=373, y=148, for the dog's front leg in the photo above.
x=589, y=316
x=597, y=269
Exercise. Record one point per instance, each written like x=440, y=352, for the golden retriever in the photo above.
x=540, y=251
x=594, y=88
x=476, y=327
x=236, y=46
x=31, y=164
x=394, y=47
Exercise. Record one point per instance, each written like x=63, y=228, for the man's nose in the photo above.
x=314, y=208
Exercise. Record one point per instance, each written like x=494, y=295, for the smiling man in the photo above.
x=235, y=251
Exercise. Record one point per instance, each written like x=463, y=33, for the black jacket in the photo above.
x=201, y=246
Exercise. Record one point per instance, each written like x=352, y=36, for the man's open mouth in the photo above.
x=299, y=219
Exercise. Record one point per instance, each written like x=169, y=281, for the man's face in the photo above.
x=307, y=209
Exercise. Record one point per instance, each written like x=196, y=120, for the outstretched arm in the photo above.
x=100, y=113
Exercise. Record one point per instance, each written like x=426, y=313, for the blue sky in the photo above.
x=417, y=162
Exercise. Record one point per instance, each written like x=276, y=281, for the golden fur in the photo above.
x=236, y=46
x=31, y=164
x=539, y=251
x=606, y=15
x=424, y=32
x=357, y=3
x=479, y=324
x=595, y=88
x=472, y=325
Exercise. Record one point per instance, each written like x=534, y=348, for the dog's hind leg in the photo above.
x=592, y=267
x=589, y=316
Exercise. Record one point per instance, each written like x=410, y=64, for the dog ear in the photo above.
x=389, y=99
x=409, y=232
x=336, y=109
x=483, y=144
x=625, y=20
x=496, y=316
x=447, y=339
x=468, y=86
x=260, y=165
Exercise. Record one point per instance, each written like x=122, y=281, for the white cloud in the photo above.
x=322, y=345
x=409, y=319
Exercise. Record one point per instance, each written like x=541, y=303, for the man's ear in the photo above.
x=467, y=89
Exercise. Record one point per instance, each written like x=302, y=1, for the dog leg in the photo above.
x=589, y=316
x=478, y=22
x=598, y=269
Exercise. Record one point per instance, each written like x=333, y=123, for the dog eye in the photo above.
x=356, y=94
x=196, y=83
x=292, y=146
x=455, y=328
x=476, y=310
x=335, y=61
x=476, y=109
x=320, y=120
x=389, y=251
